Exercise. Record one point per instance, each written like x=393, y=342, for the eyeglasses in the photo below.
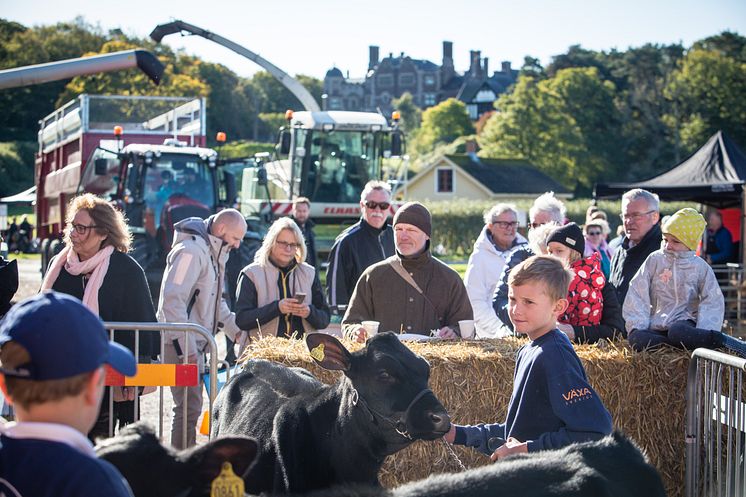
x=593, y=233
x=635, y=215
x=506, y=224
x=384, y=206
x=81, y=229
x=286, y=245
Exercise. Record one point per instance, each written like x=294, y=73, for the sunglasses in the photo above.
x=593, y=233
x=384, y=206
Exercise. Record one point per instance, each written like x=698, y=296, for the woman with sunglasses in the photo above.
x=596, y=231
x=279, y=294
x=94, y=267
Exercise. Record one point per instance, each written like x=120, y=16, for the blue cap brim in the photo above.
x=121, y=359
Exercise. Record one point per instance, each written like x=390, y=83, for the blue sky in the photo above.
x=310, y=36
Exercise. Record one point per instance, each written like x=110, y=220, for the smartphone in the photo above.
x=299, y=297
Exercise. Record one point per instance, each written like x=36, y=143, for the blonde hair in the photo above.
x=109, y=221
x=537, y=237
x=283, y=223
x=27, y=393
x=545, y=269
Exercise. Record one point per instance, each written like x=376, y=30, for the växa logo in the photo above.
x=576, y=392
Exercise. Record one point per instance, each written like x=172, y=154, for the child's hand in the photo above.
x=451, y=435
x=512, y=446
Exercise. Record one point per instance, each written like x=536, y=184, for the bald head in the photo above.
x=230, y=226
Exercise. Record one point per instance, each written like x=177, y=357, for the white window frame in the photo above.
x=437, y=180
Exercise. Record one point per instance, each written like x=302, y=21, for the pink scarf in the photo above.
x=98, y=265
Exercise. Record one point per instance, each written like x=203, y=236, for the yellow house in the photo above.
x=470, y=177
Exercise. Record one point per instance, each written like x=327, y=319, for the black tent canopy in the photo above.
x=714, y=175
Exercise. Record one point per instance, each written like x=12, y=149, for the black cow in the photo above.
x=313, y=435
x=611, y=467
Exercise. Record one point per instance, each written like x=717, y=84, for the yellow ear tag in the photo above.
x=227, y=484
x=318, y=352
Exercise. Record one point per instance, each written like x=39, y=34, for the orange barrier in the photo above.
x=155, y=375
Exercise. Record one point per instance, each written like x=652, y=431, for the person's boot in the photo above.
x=733, y=344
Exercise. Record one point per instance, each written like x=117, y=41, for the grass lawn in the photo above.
x=23, y=256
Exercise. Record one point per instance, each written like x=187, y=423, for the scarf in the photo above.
x=97, y=266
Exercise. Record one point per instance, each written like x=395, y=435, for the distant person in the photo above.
x=8, y=283
x=640, y=215
x=497, y=240
x=616, y=242
x=52, y=353
x=278, y=294
x=593, y=312
x=546, y=369
x=675, y=298
x=719, y=248
x=301, y=214
x=96, y=268
x=366, y=242
x=26, y=234
x=595, y=231
x=192, y=292
x=411, y=291
x=546, y=209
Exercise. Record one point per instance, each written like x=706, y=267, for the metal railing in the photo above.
x=715, y=425
x=186, y=328
x=731, y=279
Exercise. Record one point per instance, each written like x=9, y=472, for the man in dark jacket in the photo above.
x=642, y=236
x=301, y=215
x=366, y=242
x=411, y=291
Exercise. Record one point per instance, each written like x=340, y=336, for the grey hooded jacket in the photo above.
x=673, y=286
x=192, y=286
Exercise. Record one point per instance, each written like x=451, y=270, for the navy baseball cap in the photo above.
x=63, y=337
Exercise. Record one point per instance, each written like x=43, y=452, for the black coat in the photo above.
x=124, y=296
x=627, y=261
x=355, y=249
x=310, y=238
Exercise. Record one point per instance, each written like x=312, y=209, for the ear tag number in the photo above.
x=227, y=484
x=318, y=352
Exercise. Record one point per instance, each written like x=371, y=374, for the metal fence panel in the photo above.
x=180, y=371
x=715, y=425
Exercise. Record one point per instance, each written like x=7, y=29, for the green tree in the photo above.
x=565, y=125
x=442, y=124
x=708, y=92
x=411, y=115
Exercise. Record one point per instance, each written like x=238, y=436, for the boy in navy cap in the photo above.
x=52, y=352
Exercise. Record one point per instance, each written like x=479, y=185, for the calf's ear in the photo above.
x=328, y=352
x=207, y=461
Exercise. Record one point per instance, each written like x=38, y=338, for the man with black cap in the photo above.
x=411, y=291
x=52, y=353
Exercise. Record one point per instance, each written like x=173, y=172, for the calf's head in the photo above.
x=153, y=470
x=389, y=384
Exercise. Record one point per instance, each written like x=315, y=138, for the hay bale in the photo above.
x=645, y=393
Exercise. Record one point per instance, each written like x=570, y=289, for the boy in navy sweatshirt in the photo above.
x=52, y=352
x=552, y=404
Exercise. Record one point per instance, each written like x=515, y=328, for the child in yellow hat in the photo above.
x=674, y=298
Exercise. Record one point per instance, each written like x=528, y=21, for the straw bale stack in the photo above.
x=645, y=393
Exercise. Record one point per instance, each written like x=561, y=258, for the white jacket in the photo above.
x=483, y=272
x=192, y=286
x=673, y=286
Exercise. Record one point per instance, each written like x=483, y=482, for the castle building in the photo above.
x=429, y=83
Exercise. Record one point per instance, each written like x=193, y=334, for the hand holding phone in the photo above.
x=300, y=297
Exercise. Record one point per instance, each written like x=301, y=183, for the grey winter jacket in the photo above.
x=673, y=286
x=192, y=287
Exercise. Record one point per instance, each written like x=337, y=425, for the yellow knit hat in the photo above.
x=687, y=225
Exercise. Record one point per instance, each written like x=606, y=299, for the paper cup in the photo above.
x=371, y=327
x=466, y=326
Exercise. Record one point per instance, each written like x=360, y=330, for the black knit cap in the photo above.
x=416, y=214
x=569, y=235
